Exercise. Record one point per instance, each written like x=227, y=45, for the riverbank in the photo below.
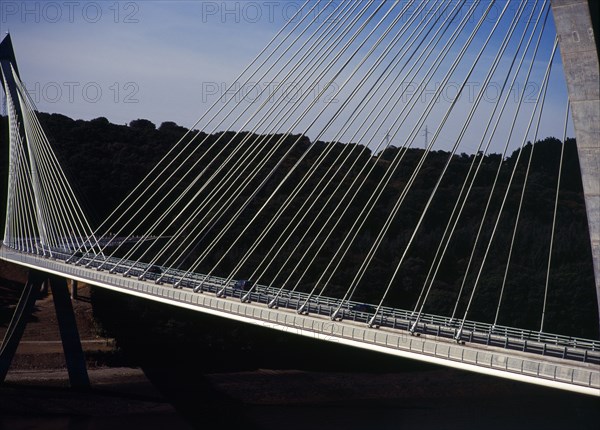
x=120, y=398
x=125, y=398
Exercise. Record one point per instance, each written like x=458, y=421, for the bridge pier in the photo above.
x=75, y=359
x=69, y=334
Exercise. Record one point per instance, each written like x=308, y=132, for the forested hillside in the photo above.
x=105, y=161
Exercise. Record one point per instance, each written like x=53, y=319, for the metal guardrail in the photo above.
x=578, y=349
x=304, y=324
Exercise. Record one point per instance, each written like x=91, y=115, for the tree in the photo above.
x=142, y=124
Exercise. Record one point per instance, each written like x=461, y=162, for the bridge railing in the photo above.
x=335, y=331
x=428, y=324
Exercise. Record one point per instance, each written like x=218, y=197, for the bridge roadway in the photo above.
x=556, y=361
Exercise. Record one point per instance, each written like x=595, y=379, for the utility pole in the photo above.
x=426, y=134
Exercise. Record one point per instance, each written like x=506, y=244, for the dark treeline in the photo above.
x=105, y=161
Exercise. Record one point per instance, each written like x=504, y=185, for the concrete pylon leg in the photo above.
x=65, y=316
x=577, y=40
x=19, y=321
x=69, y=334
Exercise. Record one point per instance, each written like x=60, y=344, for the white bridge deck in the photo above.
x=581, y=377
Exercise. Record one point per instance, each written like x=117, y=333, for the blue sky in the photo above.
x=149, y=59
x=170, y=60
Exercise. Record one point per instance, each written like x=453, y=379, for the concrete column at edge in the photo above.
x=579, y=54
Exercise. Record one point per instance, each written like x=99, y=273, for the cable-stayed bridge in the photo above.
x=263, y=203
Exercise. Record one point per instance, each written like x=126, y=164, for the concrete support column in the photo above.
x=582, y=72
x=69, y=334
x=73, y=289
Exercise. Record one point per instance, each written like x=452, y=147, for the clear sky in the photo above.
x=128, y=60
x=159, y=60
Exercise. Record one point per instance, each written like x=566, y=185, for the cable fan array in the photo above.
x=315, y=184
x=43, y=215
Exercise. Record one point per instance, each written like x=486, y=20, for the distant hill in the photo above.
x=104, y=161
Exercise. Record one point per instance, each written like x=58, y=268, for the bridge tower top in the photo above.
x=8, y=60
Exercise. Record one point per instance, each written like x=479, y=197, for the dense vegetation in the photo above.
x=105, y=161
